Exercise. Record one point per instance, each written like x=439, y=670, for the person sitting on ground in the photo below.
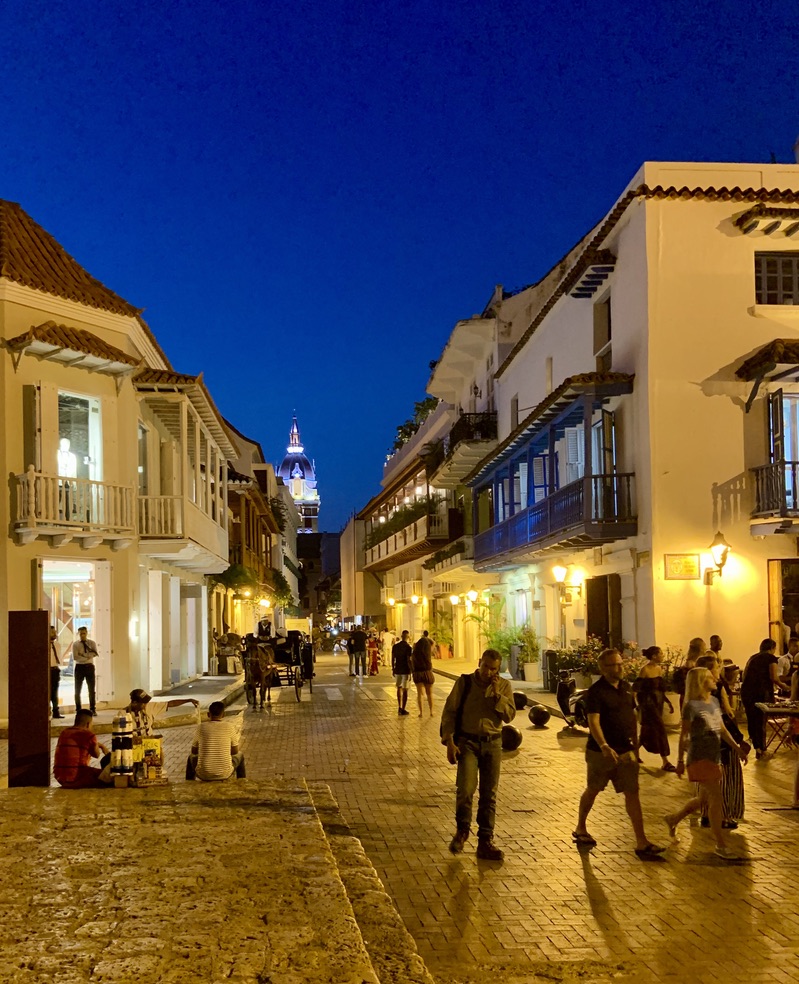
x=143, y=718
x=215, y=754
x=76, y=747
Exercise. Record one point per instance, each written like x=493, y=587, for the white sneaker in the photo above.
x=727, y=854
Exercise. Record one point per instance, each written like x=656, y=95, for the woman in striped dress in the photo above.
x=732, y=776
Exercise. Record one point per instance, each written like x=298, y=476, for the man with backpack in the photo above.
x=471, y=728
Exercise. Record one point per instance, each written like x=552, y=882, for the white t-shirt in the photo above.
x=214, y=758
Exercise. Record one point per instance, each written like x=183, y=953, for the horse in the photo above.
x=261, y=671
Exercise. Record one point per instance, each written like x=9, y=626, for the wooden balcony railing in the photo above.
x=52, y=501
x=595, y=508
x=161, y=516
x=777, y=489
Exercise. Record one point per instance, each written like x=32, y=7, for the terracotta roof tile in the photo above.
x=32, y=257
x=152, y=377
x=779, y=352
x=74, y=339
x=594, y=248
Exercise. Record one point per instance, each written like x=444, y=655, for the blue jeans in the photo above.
x=478, y=760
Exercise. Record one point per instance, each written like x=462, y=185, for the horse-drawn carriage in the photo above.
x=277, y=662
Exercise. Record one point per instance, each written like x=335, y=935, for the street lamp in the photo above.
x=454, y=599
x=719, y=551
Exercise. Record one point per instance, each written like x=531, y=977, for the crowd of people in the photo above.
x=623, y=718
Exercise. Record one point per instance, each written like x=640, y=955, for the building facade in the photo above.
x=646, y=393
x=117, y=509
x=299, y=476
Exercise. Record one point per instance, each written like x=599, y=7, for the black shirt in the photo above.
x=358, y=641
x=757, y=683
x=616, y=709
x=401, y=658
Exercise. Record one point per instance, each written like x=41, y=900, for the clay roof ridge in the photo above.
x=644, y=191
x=32, y=257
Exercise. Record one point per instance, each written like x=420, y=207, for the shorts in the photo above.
x=402, y=680
x=601, y=771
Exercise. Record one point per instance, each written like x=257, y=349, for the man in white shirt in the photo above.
x=84, y=652
x=215, y=754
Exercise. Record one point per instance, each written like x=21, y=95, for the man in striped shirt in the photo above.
x=215, y=753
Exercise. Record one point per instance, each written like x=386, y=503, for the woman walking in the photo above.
x=702, y=733
x=650, y=692
x=732, y=776
x=696, y=648
x=422, y=670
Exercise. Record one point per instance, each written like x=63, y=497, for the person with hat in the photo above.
x=143, y=718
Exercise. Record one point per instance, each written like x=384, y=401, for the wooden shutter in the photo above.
x=776, y=426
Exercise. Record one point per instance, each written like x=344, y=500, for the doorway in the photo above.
x=783, y=601
x=603, y=609
x=76, y=594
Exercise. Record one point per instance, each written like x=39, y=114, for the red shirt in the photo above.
x=72, y=755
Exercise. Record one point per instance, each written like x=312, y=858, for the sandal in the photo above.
x=668, y=767
x=583, y=839
x=649, y=852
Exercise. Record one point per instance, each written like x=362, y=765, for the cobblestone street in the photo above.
x=549, y=912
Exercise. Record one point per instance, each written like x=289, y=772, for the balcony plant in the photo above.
x=398, y=520
x=445, y=553
x=421, y=411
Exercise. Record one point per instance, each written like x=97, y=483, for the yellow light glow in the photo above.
x=559, y=572
x=264, y=603
x=472, y=595
x=454, y=599
x=392, y=601
x=247, y=594
x=414, y=599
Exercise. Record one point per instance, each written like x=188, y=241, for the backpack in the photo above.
x=467, y=686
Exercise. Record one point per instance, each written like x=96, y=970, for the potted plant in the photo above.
x=528, y=656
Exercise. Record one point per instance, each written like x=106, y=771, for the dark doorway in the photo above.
x=783, y=601
x=603, y=609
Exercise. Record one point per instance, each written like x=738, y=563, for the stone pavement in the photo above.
x=549, y=912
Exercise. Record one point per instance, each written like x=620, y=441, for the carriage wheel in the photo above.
x=297, y=681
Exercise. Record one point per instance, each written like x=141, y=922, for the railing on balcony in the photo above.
x=777, y=489
x=75, y=503
x=433, y=526
x=161, y=516
x=592, y=506
x=471, y=427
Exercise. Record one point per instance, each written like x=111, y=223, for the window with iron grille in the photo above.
x=777, y=278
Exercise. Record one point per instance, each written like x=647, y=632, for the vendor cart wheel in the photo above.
x=297, y=681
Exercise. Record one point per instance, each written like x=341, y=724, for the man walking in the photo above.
x=401, y=668
x=610, y=754
x=471, y=728
x=84, y=652
x=215, y=754
x=55, y=672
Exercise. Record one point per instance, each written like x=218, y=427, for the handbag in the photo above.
x=703, y=770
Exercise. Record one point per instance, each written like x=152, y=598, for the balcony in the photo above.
x=175, y=530
x=776, y=498
x=454, y=562
x=471, y=437
x=73, y=509
x=418, y=538
x=593, y=510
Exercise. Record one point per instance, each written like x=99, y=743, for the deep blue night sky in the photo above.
x=306, y=196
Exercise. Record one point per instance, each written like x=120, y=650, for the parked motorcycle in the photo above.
x=570, y=700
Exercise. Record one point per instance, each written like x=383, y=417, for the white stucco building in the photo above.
x=648, y=402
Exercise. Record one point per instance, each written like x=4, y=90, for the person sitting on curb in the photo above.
x=143, y=719
x=215, y=754
x=75, y=748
